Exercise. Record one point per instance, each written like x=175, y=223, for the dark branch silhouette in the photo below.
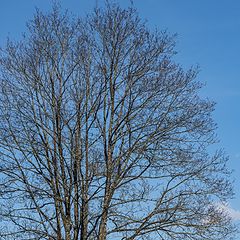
x=103, y=136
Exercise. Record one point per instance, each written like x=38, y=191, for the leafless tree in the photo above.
x=103, y=136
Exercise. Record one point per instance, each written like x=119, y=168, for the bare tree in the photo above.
x=104, y=136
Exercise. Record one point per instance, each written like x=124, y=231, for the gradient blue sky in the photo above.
x=208, y=36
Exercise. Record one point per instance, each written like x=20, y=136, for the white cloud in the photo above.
x=233, y=213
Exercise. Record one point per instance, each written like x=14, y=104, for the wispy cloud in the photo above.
x=233, y=213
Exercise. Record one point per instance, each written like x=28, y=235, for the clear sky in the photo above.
x=208, y=36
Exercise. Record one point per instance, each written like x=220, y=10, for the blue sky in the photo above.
x=208, y=36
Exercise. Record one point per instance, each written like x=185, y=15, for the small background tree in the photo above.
x=104, y=136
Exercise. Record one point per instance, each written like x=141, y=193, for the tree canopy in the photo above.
x=104, y=136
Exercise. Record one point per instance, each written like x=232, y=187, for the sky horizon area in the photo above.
x=208, y=36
